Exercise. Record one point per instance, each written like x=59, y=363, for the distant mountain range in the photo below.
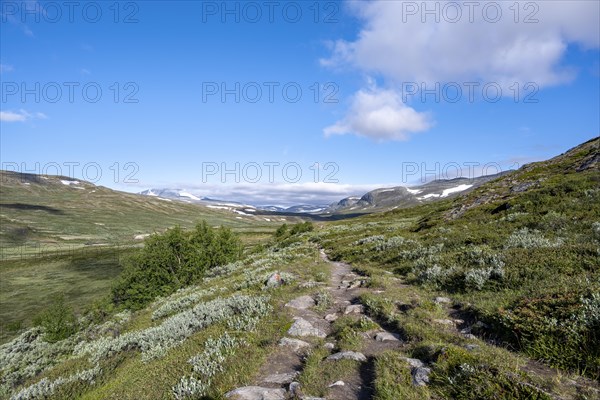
x=401, y=196
x=378, y=199
x=185, y=196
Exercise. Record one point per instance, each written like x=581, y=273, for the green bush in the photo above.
x=173, y=260
x=560, y=328
x=285, y=235
x=457, y=374
x=58, y=321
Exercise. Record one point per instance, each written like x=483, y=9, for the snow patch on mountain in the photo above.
x=458, y=188
x=429, y=196
x=188, y=195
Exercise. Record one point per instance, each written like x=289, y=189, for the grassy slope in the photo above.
x=125, y=375
x=538, y=290
x=40, y=212
x=559, y=262
x=56, y=239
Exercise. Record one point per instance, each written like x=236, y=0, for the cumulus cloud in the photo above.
x=20, y=116
x=381, y=115
x=404, y=44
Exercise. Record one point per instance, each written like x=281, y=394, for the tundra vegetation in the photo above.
x=494, y=294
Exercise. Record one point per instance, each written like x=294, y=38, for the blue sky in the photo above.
x=162, y=121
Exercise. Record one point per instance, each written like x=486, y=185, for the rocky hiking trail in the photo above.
x=277, y=377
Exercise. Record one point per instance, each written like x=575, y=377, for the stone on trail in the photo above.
x=301, y=303
x=348, y=355
x=295, y=344
x=256, y=393
x=355, y=309
x=281, y=379
x=302, y=327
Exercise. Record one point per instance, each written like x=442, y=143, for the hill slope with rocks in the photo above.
x=493, y=294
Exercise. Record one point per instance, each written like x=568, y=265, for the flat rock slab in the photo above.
x=301, y=303
x=354, y=309
x=348, y=355
x=281, y=379
x=295, y=344
x=387, y=337
x=302, y=327
x=256, y=393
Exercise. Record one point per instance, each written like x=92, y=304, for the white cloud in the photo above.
x=6, y=68
x=380, y=114
x=397, y=44
x=20, y=116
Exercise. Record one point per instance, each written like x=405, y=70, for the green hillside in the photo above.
x=490, y=295
x=62, y=237
x=45, y=213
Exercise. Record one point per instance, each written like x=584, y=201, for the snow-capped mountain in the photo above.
x=401, y=196
x=378, y=199
x=306, y=209
x=234, y=206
